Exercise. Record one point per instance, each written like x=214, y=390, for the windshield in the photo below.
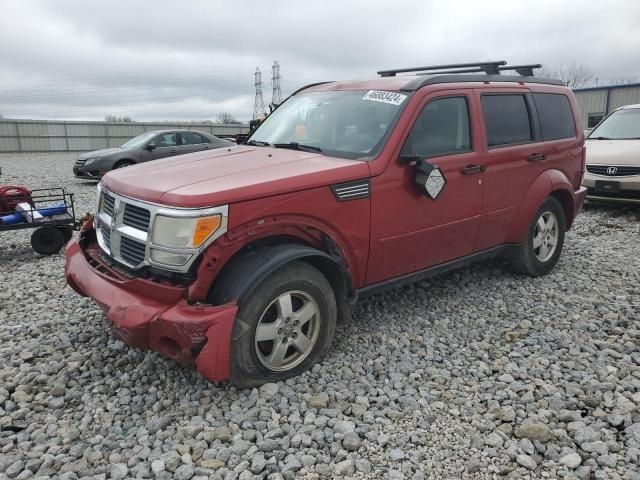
x=620, y=125
x=349, y=124
x=139, y=140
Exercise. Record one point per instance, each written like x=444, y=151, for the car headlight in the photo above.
x=92, y=160
x=184, y=232
x=178, y=234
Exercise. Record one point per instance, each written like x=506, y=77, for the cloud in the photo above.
x=191, y=60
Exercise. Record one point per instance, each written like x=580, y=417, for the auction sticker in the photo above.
x=384, y=97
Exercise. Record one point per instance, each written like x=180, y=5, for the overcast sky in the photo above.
x=190, y=60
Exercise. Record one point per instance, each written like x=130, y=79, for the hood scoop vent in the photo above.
x=351, y=190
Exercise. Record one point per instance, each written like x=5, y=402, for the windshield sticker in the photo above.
x=384, y=97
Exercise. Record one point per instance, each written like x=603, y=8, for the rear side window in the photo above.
x=507, y=119
x=556, y=118
x=191, y=138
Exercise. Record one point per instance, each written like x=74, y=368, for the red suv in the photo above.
x=242, y=260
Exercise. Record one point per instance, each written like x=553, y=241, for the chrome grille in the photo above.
x=136, y=217
x=123, y=240
x=132, y=251
x=80, y=162
x=108, y=203
x=614, y=170
x=123, y=230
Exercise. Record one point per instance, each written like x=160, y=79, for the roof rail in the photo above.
x=490, y=68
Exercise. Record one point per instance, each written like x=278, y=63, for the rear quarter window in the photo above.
x=507, y=119
x=556, y=118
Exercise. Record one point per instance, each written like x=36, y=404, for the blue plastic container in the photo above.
x=11, y=219
x=52, y=211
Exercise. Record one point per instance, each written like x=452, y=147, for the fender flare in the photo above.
x=542, y=187
x=243, y=273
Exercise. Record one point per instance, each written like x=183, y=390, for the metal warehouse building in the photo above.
x=596, y=102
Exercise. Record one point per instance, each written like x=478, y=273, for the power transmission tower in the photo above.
x=276, y=96
x=258, y=105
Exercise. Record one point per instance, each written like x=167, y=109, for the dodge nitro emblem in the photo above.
x=430, y=179
x=612, y=170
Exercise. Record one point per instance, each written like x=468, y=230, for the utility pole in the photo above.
x=276, y=96
x=258, y=105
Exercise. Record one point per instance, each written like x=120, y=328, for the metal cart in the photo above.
x=53, y=218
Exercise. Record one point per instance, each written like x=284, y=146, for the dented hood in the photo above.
x=230, y=175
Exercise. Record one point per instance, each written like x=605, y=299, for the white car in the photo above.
x=613, y=157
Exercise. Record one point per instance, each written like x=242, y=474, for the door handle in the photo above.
x=471, y=169
x=536, y=157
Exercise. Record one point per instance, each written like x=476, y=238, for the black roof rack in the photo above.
x=490, y=68
x=487, y=72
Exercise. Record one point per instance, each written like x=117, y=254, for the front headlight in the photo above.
x=178, y=235
x=184, y=232
x=92, y=160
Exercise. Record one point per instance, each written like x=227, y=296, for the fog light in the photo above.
x=168, y=258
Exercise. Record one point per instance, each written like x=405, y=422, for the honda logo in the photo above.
x=612, y=170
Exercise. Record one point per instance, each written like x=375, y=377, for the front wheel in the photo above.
x=540, y=250
x=123, y=164
x=284, y=327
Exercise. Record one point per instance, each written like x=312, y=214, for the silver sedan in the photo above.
x=146, y=146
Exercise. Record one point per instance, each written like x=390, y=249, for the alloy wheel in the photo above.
x=287, y=331
x=545, y=236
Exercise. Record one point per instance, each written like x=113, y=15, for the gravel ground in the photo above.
x=476, y=374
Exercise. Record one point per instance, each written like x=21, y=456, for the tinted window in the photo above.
x=442, y=128
x=191, y=138
x=165, y=140
x=556, y=118
x=507, y=119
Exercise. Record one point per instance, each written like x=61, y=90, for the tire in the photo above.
x=123, y=164
x=540, y=250
x=67, y=233
x=265, y=315
x=47, y=240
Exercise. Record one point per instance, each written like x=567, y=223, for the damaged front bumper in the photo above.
x=151, y=315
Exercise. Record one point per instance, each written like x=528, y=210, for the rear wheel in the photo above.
x=541, y=249
x=284, y=327
x=47, y=240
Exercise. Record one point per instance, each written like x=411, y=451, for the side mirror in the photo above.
x=150, y=147
x=429, y=179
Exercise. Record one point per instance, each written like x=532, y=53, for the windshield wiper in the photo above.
x=599, y=138
x=258, y=143
x=298, y=146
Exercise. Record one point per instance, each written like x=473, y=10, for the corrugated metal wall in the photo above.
x=623, y=96
x=591, y=101
x=594, y=100
x=57, y=136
